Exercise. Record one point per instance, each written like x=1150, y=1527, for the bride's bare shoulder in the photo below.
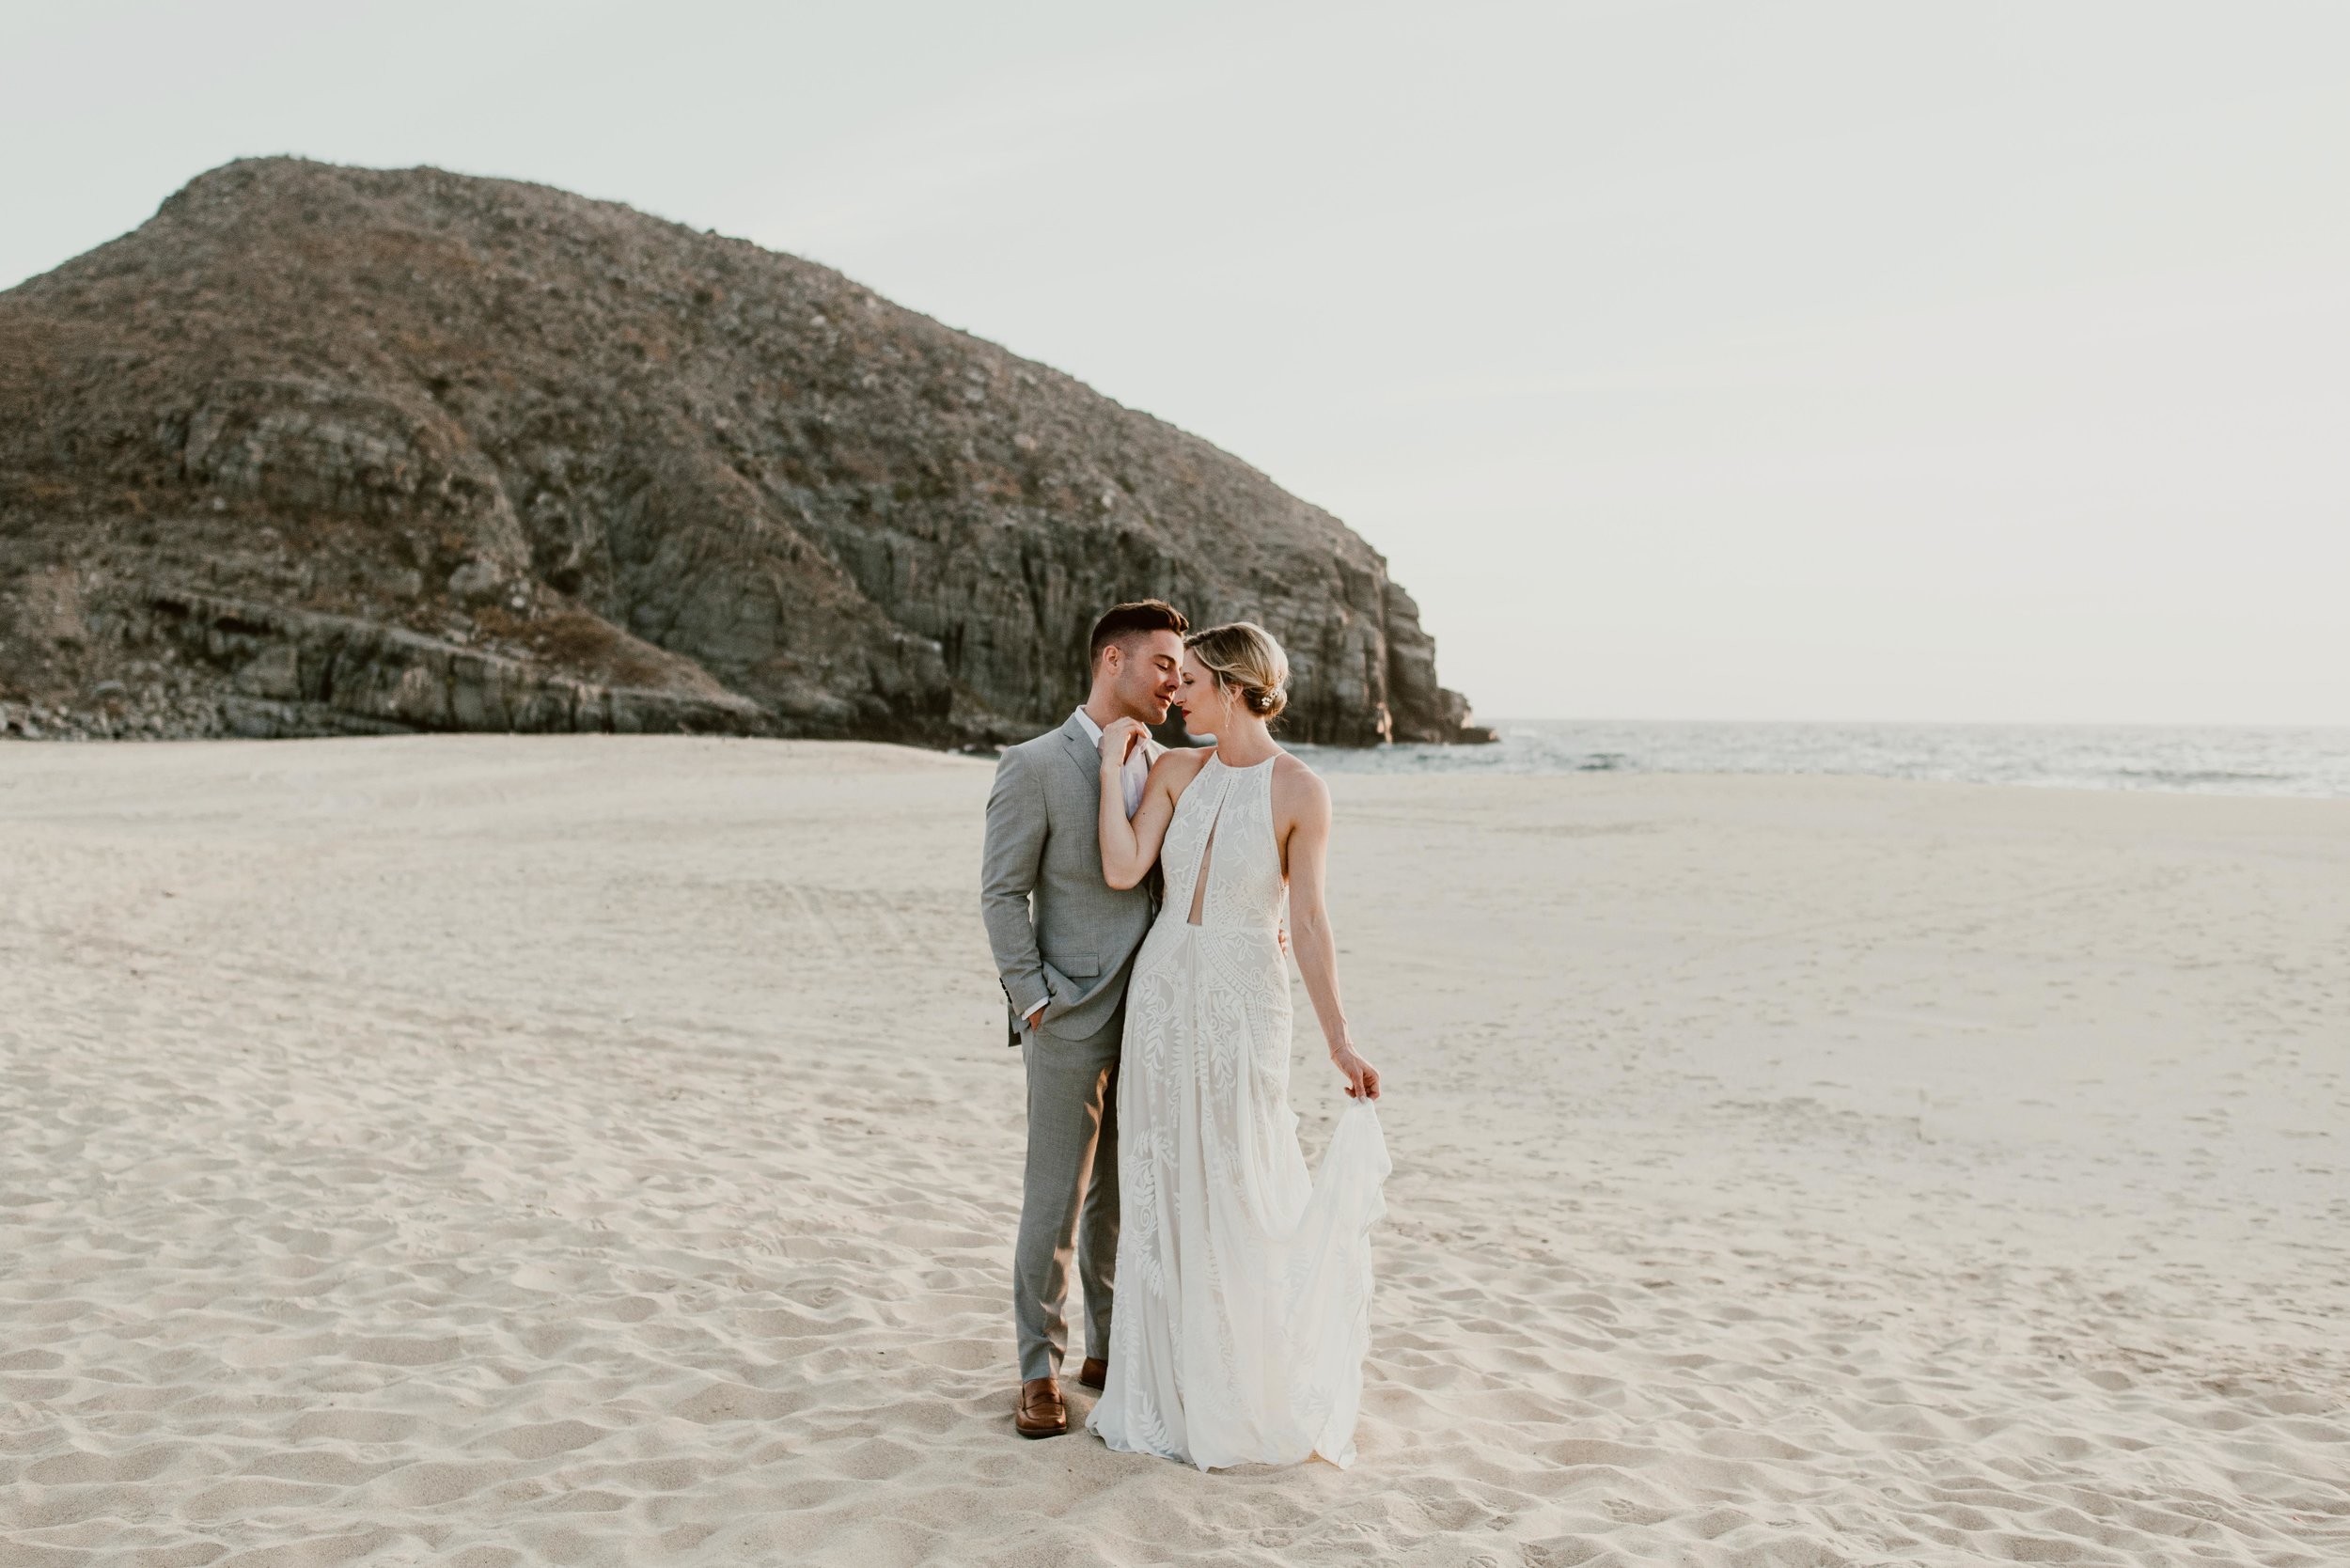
x=1177, y=764
x=1298, y=788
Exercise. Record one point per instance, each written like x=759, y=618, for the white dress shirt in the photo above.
x=1131, y=778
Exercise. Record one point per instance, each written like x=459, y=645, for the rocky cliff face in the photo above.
x=320, y=449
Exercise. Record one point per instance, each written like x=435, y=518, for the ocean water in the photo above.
x=2216, y=760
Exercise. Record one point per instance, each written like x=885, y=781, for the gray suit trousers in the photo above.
x=1068, y=1198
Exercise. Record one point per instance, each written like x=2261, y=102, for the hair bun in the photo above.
x=1250, y=666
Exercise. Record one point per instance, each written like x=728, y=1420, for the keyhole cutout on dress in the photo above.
x=1207, y=854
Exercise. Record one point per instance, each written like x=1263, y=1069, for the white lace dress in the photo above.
x=1243, y=1284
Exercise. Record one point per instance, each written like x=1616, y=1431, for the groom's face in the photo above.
x=1148, y=669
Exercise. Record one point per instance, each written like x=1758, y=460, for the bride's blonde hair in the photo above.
x=1247, y=660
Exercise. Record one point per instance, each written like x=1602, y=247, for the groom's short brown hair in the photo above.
x=1120, y=621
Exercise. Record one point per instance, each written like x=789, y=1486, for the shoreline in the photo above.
x=2265, y=761
x=1310, y=754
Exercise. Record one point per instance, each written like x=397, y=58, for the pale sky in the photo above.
x=1832, y=361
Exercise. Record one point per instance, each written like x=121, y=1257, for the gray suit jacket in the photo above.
x=1058, y=929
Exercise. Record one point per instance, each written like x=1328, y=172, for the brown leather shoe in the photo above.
x=1043, y=1412
x=1095, y=1373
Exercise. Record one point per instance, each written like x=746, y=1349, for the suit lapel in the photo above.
x=1081, y=752
x=1154, y=881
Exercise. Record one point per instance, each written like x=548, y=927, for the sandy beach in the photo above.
x=478, y=1149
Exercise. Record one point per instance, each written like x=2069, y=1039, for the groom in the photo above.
x=1064, y=940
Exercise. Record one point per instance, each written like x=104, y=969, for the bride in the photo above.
x=1245, y=1284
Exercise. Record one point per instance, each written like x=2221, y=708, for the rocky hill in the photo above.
x=323, y=450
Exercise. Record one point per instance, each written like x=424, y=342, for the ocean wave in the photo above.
x=2307, y=761
x=2187, y=777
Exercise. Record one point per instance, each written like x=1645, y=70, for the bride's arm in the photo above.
x=1129, y=849
x=1308, y=845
